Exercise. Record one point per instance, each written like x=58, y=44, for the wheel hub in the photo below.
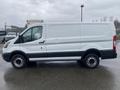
x=91, y=61
x=18, y=62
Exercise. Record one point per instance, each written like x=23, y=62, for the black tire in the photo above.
x=18, y=61
x=91, y=61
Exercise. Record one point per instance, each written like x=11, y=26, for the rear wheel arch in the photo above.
x=92, y=51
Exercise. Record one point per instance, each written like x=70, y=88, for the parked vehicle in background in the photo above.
x=2, y=36
x=87, y=43
x=9, y=36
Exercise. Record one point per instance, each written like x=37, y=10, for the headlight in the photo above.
x=6, y=45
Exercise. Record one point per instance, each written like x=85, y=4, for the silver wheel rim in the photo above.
x=18, y=62
x=91, y=61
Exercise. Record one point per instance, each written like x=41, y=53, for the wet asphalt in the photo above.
x=61, y=76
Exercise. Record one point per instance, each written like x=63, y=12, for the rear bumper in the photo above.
x=108, y=54
x=6, y=56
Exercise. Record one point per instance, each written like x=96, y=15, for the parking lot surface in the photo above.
x=61, y=76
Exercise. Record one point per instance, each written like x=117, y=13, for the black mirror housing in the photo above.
x=19, y=39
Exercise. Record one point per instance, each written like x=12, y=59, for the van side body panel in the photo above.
x=79, y=37
x=71, y=40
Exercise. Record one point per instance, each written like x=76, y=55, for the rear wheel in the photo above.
x=19, y=61
x=91, y=61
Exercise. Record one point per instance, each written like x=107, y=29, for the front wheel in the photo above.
x=18, y=61
x=91, y=61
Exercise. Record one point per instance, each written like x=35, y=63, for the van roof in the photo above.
x=49, y=23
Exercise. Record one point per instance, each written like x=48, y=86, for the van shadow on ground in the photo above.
x=59, y=76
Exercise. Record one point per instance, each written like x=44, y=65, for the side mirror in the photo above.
x=19, y=40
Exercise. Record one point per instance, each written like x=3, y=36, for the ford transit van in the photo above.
x=87, y=43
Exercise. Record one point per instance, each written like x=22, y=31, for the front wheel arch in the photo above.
x=19, y=52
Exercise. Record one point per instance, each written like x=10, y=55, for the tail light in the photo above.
x=114, y=42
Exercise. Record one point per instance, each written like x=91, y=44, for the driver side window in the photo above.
x=32, y=34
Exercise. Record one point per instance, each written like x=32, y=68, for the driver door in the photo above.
x=34, y=42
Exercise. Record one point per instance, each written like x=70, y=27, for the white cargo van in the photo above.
x=87, y=43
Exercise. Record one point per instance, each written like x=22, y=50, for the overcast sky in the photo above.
x=16, y=12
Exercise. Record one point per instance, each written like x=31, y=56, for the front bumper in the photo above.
x=6, y=57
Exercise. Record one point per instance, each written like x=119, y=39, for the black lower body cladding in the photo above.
x=108, y=54
x=105, y=54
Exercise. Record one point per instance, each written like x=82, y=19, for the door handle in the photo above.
x=42, y=42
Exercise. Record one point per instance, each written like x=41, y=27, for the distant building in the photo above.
x=14, y=29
